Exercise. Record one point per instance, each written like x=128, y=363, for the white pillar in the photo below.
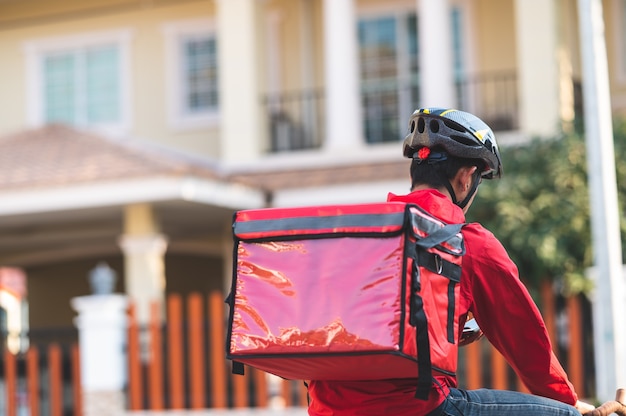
x=609, y=335
x=436, y=60
x=344, y=127
x=144, y=266
x=538, y=67
x=102, y=325
x=242, y=126
x=144, y=271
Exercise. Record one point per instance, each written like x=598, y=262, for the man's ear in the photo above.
x=464, y=176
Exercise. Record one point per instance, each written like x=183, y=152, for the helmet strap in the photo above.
x=452, y=193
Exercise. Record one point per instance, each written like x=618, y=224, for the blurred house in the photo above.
x=131, y=130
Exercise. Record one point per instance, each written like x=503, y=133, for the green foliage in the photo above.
x=540, y=208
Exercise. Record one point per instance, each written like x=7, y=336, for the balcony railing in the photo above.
x=296, y=119
x=492, y=97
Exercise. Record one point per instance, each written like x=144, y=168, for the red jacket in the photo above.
x=492, y=291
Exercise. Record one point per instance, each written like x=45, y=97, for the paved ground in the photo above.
x=294, y=411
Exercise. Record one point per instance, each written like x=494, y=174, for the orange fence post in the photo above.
x=196, y=350
x=32, y=372
x=521, y=387
x=56, y=380
x=498, y=370
x=304, y=395
x=473, y=365
x=240, y=388
x=135, y=384
x=218, y=366
x=175, y=351
x=260, y=383
x=155, y=366
x=575, y=359
x=286, y=392
x=76, y=381
x=10, y=374
x=548, y=309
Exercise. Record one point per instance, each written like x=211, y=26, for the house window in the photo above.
x=82, y=87
x=192, y=74
x=457, y=53
x=200, y=75
x=388, y=48
x=81, y=80
x=389, y=69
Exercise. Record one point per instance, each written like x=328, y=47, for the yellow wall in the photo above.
x=147, y=82
x=149, y=79
x=12, y=98
x=616, y=51
x=290, y=22
x=495, y=33
x=27, y=12
x=20, y=21
x=51, y=287
x=568, y=29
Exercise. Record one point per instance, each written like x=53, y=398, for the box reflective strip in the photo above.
x=320, y=223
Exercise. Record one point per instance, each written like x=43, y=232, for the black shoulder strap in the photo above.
x=424, y=366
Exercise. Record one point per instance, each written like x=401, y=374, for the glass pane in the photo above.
x=457, y=55
x=102, y=89
x=380, y=56
x=457, y=41
x=59, y=88
x=413, y=53
x=201, y=75
x=378, y=48
x=381, y=116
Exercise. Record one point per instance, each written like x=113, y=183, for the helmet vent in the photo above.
x=434, y=126
x=421, y=124
x=412, y=128
x=464, y=140
x=454, y=126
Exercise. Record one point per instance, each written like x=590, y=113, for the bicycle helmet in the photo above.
x=461, y=134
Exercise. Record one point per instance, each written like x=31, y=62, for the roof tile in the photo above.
x=58, y=155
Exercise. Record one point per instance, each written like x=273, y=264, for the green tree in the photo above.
x=540, y=208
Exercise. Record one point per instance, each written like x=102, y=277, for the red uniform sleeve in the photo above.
x=509, y=317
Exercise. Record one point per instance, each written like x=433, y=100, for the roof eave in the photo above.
x=124, y=192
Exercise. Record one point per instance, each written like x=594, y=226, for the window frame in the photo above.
x=175, y=33
x=399, y=10
x=36, y=50
x=402, y=61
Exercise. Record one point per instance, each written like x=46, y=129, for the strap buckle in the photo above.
x=438, y=263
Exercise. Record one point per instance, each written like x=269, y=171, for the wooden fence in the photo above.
x=184, y=365
x=42, y=382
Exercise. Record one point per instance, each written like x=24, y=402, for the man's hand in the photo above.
x=583, y=407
